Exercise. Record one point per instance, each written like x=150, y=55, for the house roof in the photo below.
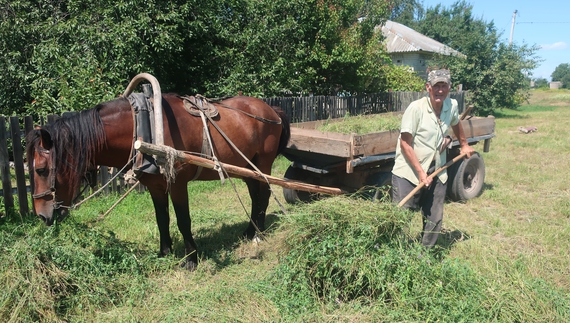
x=400, y=38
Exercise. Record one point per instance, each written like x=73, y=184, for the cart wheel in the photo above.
x=466, y=178
x=293, y=196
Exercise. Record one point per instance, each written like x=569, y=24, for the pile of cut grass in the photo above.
x=68, y=270
x=361, y=124
x=350, y=255
x=350, y=251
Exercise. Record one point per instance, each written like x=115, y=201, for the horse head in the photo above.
x=49, y=195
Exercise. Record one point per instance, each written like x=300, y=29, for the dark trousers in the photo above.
x=428, y=200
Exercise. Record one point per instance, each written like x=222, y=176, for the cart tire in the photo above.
x=293, y=196
x=466, y=178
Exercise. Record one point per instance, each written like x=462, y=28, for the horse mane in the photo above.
x=76, y=139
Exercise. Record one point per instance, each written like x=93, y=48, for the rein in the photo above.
x=75, y=205
x=219, y=102
x=52, y=191
x=248, y=161
x=258, y=118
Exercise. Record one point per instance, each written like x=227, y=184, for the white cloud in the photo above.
x=556, y=46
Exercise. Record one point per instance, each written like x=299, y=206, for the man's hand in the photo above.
x=465, y=148
x=425, y=179
x=468, y=150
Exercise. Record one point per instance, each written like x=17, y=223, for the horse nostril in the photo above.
x=45, y=219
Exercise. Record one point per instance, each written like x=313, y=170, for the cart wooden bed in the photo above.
x=356, y=162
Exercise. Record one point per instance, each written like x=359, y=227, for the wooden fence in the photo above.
x=302, y=109
x=16, y=179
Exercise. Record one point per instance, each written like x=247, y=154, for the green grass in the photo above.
x=502, y=257
x=363, y=124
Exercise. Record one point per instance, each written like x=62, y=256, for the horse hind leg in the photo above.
x=259, y=193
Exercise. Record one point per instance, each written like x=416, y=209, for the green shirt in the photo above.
x=427, y=132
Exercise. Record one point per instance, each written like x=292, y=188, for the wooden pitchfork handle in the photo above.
x=421, y=184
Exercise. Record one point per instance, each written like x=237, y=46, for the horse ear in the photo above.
x=46, y=140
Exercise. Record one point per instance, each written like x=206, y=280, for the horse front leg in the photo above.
x=179, y=196
x=160, y=202
x=259, y=193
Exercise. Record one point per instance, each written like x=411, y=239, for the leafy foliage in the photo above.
x=495, y=73
x=541, y=83
x=69, y=55
x=562, y=74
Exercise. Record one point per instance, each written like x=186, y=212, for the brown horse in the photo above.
x=62, y=152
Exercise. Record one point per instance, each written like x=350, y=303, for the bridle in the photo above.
x=51, y=178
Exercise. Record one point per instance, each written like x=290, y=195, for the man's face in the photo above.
x=439, y=91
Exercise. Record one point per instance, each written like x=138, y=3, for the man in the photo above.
x=421, y=150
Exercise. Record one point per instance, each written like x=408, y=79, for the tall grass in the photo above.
x=502, y=257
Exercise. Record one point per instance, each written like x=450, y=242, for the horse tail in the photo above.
x=286, y=129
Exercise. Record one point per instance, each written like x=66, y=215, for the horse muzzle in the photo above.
x=56, y=214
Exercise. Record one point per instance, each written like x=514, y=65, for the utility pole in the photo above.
x=512, y=27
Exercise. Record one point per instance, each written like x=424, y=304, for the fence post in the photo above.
x=29, y=126
x=19, y=165
x=5, y=167
x=104, y=171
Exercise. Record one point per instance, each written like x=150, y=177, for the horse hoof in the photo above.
x=162, y=253
x=249, y=235
x=189, y=265
x=257, y=238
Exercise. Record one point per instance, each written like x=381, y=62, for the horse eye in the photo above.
x=40, y=171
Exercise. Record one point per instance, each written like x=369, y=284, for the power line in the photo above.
x=543, y=22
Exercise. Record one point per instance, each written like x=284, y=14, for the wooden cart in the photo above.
x=364, y=162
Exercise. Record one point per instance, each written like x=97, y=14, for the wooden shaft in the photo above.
x=240, y=171
x=434, y=174
x=466, y=112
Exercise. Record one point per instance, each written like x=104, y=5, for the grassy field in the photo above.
x=502, y=257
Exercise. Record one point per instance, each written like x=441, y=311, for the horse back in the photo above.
x=247, y=124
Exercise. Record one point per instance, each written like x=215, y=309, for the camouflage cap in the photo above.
x=437, y=76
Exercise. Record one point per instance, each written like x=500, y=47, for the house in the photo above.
x=410, y=48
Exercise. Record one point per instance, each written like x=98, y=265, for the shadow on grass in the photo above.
x=445, y=242
x=449, y=238
x=217, y=243
x=509, y=115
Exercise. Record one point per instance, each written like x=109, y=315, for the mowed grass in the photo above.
x=361, y=124
x=502, y=256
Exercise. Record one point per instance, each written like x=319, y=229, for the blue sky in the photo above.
x=545, y=23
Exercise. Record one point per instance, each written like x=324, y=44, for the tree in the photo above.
x=540, y=83
x=300, y=46
x=562, y=74
x=69, y=55
x=406, y=12
x=495, y=73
